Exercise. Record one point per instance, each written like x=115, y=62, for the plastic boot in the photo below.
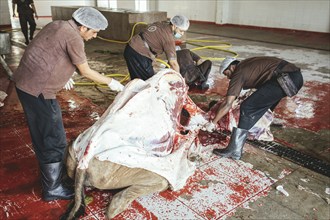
x=235, y=147
x=51, y=179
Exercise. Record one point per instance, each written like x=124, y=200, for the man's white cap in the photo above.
x=225, y=63
x=181, y=22
x=91, y=18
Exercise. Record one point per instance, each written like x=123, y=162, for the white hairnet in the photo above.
x=225, y=63
x=181, y=22
x=91, y=18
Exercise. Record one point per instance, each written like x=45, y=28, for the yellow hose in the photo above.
x=163, y=62
x=217, y=47
x=129, y=39
x=14, y=29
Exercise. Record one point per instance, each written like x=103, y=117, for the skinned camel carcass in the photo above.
x=138, y=144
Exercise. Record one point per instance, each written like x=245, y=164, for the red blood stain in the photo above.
x=167, y=195
x=210, y=171
x=207, y=138
x=210, y=214
x=321, y=107
x=240, y=189
x=134, y=208
x=192, y=185
x=236, y=198
x=87, y=149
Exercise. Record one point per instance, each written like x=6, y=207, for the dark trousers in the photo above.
x=195, y=75
x=138, y=66
x=266, y=97
x=204, y=69
x=24, y=20
x=45, y=123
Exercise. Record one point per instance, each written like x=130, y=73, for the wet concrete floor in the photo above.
x=220, y=188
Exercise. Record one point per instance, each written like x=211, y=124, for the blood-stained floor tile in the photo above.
x=166, y=205
x=96, y=200
x=19, y=153
x=19, y=176
x=28, y=206
x=212, y=193
x=241, y=171
x=134, y=211
x=12, y=137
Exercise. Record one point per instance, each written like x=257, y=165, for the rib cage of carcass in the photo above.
x=142, y=129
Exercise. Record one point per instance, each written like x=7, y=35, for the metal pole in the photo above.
x=5, y=66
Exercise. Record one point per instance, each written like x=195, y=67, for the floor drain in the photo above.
x=293, y=155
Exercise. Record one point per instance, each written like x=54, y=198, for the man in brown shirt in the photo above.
x=260, y=73
x=25, y=9
x=47, y=64
x=152, y=41
x=193, y=68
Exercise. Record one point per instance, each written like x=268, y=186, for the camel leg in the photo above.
x=151, y=183
x=108, y=175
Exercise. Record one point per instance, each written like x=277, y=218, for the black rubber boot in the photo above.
x=51, y=179
x=234, y=149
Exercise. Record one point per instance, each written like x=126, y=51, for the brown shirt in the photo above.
x=254, y=72
x=159, y=37
x=49, y=60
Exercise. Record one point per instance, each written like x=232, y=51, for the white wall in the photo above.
x=308, y=15
x=43, y=6
x=5, y=12
x=290, y=14
x=126, y=4
x=199, y=10
x=121, y=4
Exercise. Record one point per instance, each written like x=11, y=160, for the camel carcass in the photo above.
x=138, y=144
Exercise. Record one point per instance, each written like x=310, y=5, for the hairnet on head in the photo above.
x=225, y=63
x=181, y=22
x=91, y=18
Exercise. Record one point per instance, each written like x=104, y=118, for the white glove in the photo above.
x=69, y=84
x=209, y=127
x=196, y=122
x=235, y=104
x=115, y=85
